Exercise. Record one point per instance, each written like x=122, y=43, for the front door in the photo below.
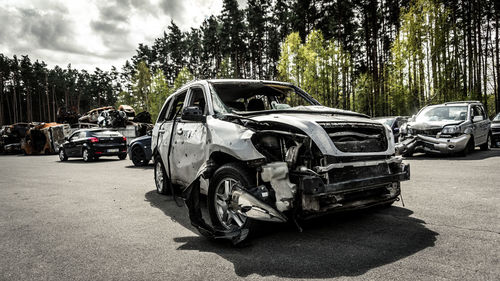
x=189, y=143
x=70, y=146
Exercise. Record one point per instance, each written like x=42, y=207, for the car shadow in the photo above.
x=80, y=160
x=145, y=167
x=477, y=154
x=347, y=244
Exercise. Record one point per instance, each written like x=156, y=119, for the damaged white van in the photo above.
x=265, y=150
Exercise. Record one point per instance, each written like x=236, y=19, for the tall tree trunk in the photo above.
x=14, y=97
x=497, y=94
x=1, y=99
x=54, y=102
x=48, y=98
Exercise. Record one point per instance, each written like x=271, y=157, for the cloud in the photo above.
x=89, y=33
x=29, y=28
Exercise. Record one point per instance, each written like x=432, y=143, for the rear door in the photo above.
x=189, y=141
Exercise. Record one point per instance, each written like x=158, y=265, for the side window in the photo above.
x=74, y=136
x=161, y=116
x=198, y=99
x=483, y=113
x=477, y=112
x=176, y=107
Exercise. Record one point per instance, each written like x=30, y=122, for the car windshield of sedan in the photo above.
x=246, y=97
x=443, y=113
x=497, y=118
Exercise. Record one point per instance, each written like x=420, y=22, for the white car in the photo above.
x=264, y=150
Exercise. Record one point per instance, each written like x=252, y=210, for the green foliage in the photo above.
x=319, y=66
x=141, y=82
x=159, y=93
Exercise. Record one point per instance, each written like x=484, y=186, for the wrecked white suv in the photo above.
x=263, y=150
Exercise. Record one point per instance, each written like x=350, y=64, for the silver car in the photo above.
x=453, y=127
x=264, y=150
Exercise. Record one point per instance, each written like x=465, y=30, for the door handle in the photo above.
x=180, y=131
x=161, y=131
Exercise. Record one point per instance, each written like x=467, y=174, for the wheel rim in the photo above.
x=85, y=155
x=61, y=154
x=489, y=143
x=159, y=177
x=223, y=193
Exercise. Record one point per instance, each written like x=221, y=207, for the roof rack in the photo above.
x=464, y=101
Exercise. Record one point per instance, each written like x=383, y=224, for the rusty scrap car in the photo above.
x=449, y=128
x=11, y=137
x=91, y=144
x=44, y=138
x=263, y=150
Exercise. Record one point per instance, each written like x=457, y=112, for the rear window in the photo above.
x=104, y=134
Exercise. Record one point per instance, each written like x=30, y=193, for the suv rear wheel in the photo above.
x=161, y=179
x=220, y=192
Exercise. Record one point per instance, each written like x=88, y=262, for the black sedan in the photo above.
x=94, y=143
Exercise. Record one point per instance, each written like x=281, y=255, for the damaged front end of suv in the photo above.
x=268, y=151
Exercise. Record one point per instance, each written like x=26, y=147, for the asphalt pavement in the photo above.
x=104, y=221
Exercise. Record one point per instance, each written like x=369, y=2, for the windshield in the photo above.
x=443, y=113
x=244, y=97
x=497, y=118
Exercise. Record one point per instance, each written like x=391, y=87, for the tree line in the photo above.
x=387, y=57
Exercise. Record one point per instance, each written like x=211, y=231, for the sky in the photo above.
x=93, y=33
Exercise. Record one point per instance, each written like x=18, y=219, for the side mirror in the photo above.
x=66, y=138
x=412, y=119
x=149, y=133
x=193, y=113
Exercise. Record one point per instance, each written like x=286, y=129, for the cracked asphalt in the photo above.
x=104, y=221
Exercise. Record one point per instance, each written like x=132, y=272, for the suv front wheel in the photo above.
x=220, y=192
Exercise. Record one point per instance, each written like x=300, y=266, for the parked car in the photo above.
x=264, y=150
x=11, y=137
x=453, y=127
x=91, y=144
x=139, y=150
x=495, y=131
x=394, y=122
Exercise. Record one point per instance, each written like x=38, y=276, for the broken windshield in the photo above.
x=443, y=113
x=247, y=97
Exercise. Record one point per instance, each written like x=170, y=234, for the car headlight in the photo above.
x=450, y=130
